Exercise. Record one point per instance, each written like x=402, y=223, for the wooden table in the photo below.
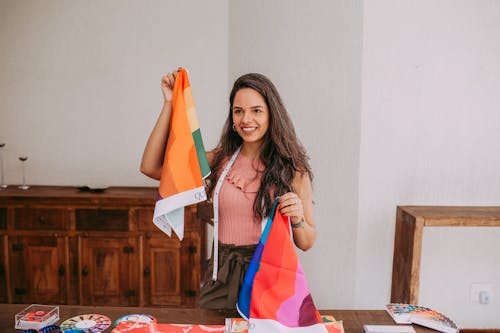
x=410, y=223
x=353, y=320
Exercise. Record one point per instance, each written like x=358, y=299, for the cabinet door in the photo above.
x=190, y=268
x=3, y=268
x=162, y=268
x=192, y=254
x=38, y=270
x=108, y=271
x=171, y=271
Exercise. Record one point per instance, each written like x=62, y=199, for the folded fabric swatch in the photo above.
x=275, y=296
x=185, y=164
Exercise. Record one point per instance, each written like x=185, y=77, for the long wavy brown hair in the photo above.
x=281, y=152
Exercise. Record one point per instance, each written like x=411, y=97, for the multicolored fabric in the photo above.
x=138, y=327
x=185, y=164
x=275, y=296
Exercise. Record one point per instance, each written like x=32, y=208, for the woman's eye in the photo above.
x=257, y=110
x=236, y=110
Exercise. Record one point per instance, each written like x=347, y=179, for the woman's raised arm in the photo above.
x=154, y=152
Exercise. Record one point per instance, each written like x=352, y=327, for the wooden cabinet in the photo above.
x=59, y=245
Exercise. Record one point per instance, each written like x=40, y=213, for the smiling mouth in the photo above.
x=248, y=129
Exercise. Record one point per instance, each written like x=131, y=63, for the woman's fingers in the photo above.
x=168, y=80
x=291, y=205
x=167, y=84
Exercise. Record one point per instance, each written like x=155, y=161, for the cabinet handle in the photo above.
x=85, y=271
x=129, y=293
x=19, y=291
x=189, y=293
x=128, y=249
x=61, y=271
x=42, y=219
x=146, y=271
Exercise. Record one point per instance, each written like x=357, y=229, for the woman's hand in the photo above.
x=167, y=85
x=291, y=205
x=298, y=206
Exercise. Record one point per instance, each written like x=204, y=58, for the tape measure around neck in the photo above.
x=215, y=201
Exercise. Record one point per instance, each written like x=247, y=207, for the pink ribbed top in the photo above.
x=237, y=223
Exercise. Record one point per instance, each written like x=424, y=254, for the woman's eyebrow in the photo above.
x=251, y=107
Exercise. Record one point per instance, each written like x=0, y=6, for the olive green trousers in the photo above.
x=233, y=264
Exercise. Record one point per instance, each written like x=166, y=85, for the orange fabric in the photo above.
x=185, y=173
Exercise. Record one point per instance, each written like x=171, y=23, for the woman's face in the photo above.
x=250, y=115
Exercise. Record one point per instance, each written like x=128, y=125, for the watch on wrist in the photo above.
x=298, y=225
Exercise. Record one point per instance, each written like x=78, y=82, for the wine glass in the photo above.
x=2, y=174
x=23, y=160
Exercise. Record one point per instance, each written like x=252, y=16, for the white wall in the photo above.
x=430, y=134
x=80, y=88
x=312, y=52
x=454, y=258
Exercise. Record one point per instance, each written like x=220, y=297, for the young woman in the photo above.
x=257, y=160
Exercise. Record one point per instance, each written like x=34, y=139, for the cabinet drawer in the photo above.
x=101, y=219
x=40, y=219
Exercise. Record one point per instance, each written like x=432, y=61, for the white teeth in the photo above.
x=248, y=129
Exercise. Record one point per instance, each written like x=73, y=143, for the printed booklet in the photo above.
x=403, y=313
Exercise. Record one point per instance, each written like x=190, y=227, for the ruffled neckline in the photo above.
x=246, y=174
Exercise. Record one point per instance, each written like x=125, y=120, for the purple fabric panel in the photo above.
x=289, y=311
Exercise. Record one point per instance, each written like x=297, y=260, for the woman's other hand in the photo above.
x=291, y=205
x=298, y=206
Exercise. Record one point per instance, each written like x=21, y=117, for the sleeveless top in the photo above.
x=238, y=224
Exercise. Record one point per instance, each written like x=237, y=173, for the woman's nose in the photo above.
x=247, y=116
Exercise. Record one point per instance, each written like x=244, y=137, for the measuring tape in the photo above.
x=216, y=211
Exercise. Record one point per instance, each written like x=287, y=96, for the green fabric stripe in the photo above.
x=200, y=151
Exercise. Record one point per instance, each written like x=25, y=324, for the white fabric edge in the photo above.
x=167, y=205
x=269, y=325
